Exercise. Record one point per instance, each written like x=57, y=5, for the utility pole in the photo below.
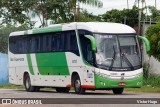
x=156, y=4
x=139, y=19
x=139, y=22
x=138, y=4
x=76, y=13
x=127, y=5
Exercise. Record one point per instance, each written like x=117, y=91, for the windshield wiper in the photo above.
x=127, y=61
x=114, y=55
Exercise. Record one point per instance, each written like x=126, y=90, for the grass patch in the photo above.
x=152, y=80
x=150, y=84
x=10, y=86
x=143, y=89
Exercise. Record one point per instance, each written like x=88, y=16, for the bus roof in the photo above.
x=98, y=27
x=106, y=27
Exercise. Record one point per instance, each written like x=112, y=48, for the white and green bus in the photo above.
x=83, y=55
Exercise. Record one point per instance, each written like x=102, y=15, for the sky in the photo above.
x=116, y=4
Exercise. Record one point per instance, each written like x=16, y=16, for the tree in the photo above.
x=4, y=34
x=130, y=16
x=86, y=17
x=12, y=12
x=127, y=16
x=113, y=16
x=153, y=35
x=155, y=14
x=19, y=11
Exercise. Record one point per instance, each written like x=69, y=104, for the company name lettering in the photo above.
x=16, y=59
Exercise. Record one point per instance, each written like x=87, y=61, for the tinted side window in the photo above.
x=26, y=43
x=71, y=42
x=46, y=43
x=32, y=45
x=42, y=43
x=86, y=46
x=12, y=44
x=15, y=45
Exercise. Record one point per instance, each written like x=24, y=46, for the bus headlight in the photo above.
x=102, y=75
x=97, y=73
x=139, y=74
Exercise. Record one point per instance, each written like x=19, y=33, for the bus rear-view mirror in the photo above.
x=146, y=41
x=93, y=41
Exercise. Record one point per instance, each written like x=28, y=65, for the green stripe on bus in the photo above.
x=30, y=64
x=52, y=63
x=47, y=29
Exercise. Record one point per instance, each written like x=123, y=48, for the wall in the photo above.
x=3, y=68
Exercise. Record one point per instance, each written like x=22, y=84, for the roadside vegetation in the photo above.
x=151, y=82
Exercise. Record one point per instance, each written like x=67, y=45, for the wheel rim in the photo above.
x=77, y=85
x=27, y=83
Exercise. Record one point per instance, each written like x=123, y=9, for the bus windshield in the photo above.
x=117, y=51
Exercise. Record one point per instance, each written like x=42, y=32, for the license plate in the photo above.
x=121, y=84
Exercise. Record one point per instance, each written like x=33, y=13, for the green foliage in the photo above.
x=152, y=80
x=130, y=16
x=12, y=12
x=145, y=70
x=4, y=34
x=113, y=16
x=155, y=14
x=21, y=11
x=86, y=17
x=153, y=35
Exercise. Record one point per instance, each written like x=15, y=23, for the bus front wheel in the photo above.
x=77, y=85
x=117, y=90
x=27, y=84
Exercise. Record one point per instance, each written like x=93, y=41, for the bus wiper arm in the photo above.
x=127, y=61
x=114, y=55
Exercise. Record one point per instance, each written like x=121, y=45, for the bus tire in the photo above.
x=27, y=84
x=117, y=90
x=62, y=89
x=77, y=85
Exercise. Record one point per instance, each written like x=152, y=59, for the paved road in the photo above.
x=8, y=93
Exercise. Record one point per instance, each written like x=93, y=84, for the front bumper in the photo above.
x=101, y=82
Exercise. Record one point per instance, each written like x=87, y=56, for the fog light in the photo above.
x=139, y=83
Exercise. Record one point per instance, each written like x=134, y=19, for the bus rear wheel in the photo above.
x=117, y=90
x=27, y=84
x=62, y=89
x=77, y=85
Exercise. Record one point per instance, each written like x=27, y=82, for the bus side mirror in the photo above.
x=93, y=42
x=146, y=41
